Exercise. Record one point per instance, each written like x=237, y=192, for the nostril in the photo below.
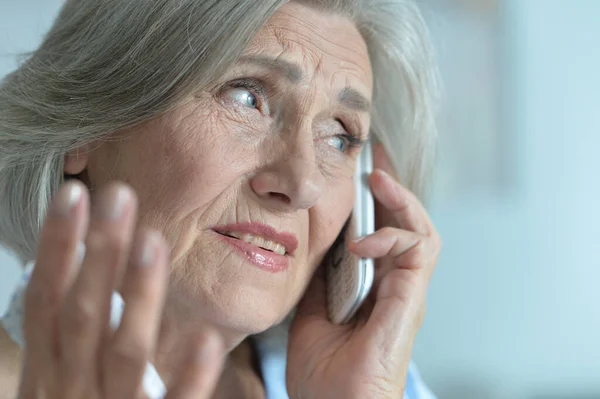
x=280, y=197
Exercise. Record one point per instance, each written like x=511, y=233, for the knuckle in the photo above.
x=109, y=246
x=400, y=285
x=130, y=352
x=79, y=315
x=42, y=298
x=388, y=230
x=420, y=249
x=96, y=241
x=416, y=255
x=62, y=243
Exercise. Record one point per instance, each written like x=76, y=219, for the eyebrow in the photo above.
x=352, y=99
x=348, y=97
x=290, y=71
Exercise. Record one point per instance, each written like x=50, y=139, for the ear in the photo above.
x=77, y=160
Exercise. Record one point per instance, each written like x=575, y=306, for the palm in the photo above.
x=328, y=358
x=321, y=356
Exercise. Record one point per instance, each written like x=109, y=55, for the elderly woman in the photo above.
x=203, y=150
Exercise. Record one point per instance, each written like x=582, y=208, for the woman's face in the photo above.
x=251, y=180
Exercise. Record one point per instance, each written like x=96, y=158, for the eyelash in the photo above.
x=256, y=87
x=353, y=140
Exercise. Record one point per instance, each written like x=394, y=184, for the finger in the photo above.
x=392, y=248
x=388, y=241
x=398, y=249
x=399, y=294
x=55, y=266
x=402, y=205
x=28, y=385
x=133, y=344
x=84, y=317
x=398, y=309
x=382, y=161
x=201, y=370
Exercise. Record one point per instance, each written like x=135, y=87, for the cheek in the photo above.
x=180, y=163
x=203, y=160
x=328, y=217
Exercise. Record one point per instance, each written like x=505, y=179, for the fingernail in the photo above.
x=112, y=203
x=145, y=250
x=358, y=239
x=67, y=197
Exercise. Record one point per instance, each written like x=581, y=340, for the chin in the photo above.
x=219, y=286
x=237, y=309
x=253, y=316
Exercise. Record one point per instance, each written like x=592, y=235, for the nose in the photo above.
x=294, y=181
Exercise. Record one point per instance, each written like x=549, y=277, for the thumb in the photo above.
x=314, y=301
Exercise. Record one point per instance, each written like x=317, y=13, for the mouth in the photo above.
x=258, y=241
x=260, y=244
x=262, y=236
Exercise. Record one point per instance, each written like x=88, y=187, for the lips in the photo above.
x=258, y=241
x=261, y=235
x=260, y=244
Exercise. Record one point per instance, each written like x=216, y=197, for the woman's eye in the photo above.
x=338, y=142
x=244, y=97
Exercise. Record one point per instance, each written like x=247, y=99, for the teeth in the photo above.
x=259, y=241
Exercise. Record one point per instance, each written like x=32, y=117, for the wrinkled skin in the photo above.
x=274, y=141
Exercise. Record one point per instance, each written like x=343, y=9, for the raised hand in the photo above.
x=71, y=353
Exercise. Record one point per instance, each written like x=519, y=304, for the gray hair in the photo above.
x=104, y=67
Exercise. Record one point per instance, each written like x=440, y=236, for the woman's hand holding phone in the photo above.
x=369, y=357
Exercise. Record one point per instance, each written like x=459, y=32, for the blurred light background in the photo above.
x=514, y=307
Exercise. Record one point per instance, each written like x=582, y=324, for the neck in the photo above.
x=241, y=373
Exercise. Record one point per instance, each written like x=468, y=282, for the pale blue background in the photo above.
x=514, y=307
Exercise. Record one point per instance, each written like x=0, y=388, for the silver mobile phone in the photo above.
x=349, y=278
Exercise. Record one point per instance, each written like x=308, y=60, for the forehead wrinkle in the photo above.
x=308, y=97
x=293, y=45
x=314, y=28
x=313, y=48
x=314, y=52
